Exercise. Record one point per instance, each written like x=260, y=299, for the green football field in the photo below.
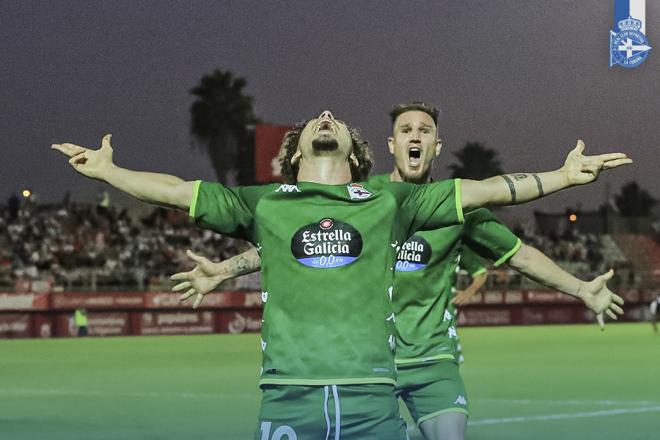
x=545, y=382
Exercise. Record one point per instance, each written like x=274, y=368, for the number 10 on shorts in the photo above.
x=283, y=432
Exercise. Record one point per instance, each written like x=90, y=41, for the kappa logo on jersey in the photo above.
x=413, y=255
x=287, y=188
x=326, y=244
x=357, y=192
x=460, y=400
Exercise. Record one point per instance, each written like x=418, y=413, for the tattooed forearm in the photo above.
x=241, y=262
x=512, y=188
x=539, y=185
x=245, y=263
x=518, y=178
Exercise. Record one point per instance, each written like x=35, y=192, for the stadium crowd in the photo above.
x=92, y=247
x=74, y=246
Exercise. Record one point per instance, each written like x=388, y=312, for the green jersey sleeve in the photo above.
x=229, y=211
x=435, y=205
x=486, y=235
x=471, y=262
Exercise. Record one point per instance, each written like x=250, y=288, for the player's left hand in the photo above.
x=463, y=297
x=581, y=169
x=600, y=299
x=200, y=281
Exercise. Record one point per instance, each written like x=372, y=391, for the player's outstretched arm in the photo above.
x=510, y=189
x=158, y=189
x=464, y=296
x=595, y=294
x=207, y=275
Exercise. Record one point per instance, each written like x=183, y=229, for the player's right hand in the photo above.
x=91, y=163
x=201, y=280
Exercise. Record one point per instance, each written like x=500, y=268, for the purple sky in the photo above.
x=525, y=77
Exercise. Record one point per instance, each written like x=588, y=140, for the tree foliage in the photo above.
x=475, y=161
x=634, y=201
x=221, y=117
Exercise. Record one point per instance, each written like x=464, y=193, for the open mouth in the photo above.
x=414, y=156
x=326, y=125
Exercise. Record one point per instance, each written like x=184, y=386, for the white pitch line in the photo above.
x=605, y=402
x=150, y=394
x=190, y=395
x=608, y=412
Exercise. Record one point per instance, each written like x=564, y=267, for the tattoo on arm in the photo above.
x=520, y=176
x=247, y=262
x=539, y=185
x=511, y=188
x=241, y=263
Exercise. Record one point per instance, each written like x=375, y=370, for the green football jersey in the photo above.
x=471, y=262
x=426, y=271
x=327, y=266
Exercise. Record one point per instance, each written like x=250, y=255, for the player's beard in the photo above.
x=325, y=143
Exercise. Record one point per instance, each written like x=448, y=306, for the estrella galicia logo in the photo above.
x=413, y=255
x=629, y=47
x=326, y=244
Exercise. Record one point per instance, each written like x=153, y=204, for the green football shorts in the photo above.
x=431, y=389
x=331, y=412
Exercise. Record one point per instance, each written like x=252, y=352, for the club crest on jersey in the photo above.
x=357, y=191
x=326, y=244
x=413, y=255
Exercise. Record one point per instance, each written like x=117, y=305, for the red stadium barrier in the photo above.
x=24, y=315
x=173, y=323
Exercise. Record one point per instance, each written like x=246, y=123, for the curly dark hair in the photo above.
x=400, y=109
x=289, y=147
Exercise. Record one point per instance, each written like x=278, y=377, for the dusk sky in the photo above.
x=527, y=78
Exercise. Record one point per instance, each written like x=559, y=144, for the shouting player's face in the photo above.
x=414, y=144
x=325, y=135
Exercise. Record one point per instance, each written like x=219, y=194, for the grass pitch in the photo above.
x=546, y=382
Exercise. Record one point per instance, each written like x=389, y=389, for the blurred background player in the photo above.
x=654, y=309
x=80, y=319
x=432, y=387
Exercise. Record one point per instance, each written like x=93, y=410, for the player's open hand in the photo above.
x=600, y=300
x=463, y=297
x=201, y=280
x=91, y=163
x=581, y=169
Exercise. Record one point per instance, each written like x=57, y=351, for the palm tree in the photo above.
x=221, y=120
x=634, y=201
x=475, y=161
